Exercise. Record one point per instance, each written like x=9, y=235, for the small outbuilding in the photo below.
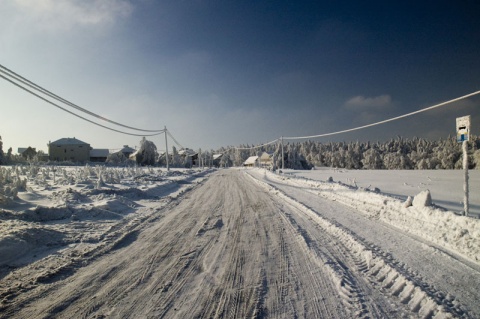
x=27, y=152
x=190, y=157
x=251, y=161
x=217, y=158
x=266, y=159
x=127, y=151
x=99, y=155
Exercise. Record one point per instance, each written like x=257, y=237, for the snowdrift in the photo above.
x=448, y=230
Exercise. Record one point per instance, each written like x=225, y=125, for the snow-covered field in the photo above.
x=142, y=242
x=445, y=186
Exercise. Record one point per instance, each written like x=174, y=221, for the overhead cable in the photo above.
x=74, y=114
x=173, y=138
x=385, y=121
x=34, y=86
x=258, y=146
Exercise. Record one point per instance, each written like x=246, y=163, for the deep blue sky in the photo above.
x=220, y=73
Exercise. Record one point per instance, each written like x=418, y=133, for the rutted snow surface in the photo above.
x=238, y=244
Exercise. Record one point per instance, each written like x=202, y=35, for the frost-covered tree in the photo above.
x=397, y=153
x=2, y=160
x=225, y=161
x=372, y=159
x=147, y=152
x=176, y=159
x=476, y=159
x=116, y=158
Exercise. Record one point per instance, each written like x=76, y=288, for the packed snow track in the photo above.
x=239, y=245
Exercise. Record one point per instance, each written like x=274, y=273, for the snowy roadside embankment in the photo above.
x=45, y=210
x=444, y=228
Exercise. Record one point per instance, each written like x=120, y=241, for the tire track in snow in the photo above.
x=239, y=296
x=417, y=296
x=453, y=285
x=326, y=256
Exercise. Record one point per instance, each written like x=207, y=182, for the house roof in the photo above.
x=250, y=160
x=127, y=149
x=187, y=152
x=134, y=154
x=99, y=152
x=68, y=141
x=266, y=156
x=217, y=156
x=23, y=149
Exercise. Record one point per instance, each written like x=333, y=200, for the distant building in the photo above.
x=134, y=156
x=99, y=155
x=217, y=158
x=127, y=151
x=27, y=152
x=266, y=159
x=69, y=149
x=190, y=157
x=251, y=161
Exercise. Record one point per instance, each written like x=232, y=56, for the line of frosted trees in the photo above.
x=398, y=153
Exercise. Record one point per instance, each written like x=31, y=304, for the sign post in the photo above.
x=463, y=135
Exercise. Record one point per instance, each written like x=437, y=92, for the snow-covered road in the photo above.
x=444, y=275
x=242, y=244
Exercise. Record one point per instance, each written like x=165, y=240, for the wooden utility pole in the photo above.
x=166, y=148
x=283, y=157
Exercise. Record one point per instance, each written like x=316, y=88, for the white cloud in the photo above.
x=59, y=16
x=364, y=103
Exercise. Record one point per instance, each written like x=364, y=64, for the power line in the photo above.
x=253, y=147
x=173, y=138
x=385, y=121
x=74, y=114
x=34, y=86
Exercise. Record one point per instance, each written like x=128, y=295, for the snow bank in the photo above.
x=21, y=241
x=444, y=228
x=44, y=209
x=378, y=268
x=423, y=199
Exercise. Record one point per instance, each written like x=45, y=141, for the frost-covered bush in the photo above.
x=10, y=184
x=147, y=153
x=116, y=158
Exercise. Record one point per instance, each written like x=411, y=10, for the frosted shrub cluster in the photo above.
x=14, y=179
x=10, y=184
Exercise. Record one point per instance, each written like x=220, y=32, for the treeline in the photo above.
x=398, y=153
